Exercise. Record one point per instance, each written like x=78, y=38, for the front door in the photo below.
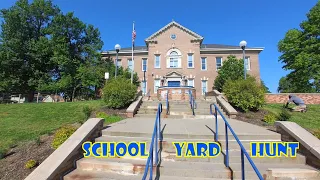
x=173, y=83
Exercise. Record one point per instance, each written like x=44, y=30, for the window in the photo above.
x=174, y=61
x=130, y=65
x=157, y=61
x=204, y=86
x=119, y=63
x=144, y=64
x=218, y=63
x=191, y=82
x=190, y=60
x=144, y=87
x=247, y=62
x=156, y=85
x=203, y=63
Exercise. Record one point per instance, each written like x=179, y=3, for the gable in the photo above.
x=171, y=25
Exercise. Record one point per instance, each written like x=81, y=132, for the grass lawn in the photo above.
x=24, y=122
x=309, y=120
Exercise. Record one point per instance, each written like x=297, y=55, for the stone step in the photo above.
x=153, y=116
x=167, y=142
x=100, y=175
x=180, y=169
x=168, y=152
x=253, y=137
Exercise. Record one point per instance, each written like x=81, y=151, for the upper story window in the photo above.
x=157, y=61
x=190, y=61
x=130, y=65
x=247, y=62
x=203, y=63
x=173, y=58
x=144, y=64
x=119, y=63
x=218, y=63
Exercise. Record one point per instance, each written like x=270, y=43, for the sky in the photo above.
x=260, y=23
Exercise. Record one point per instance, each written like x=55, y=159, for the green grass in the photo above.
x=309, y=120
x=24, y=122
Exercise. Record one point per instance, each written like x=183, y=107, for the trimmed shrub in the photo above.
x=245, y=94
x=113, y=119
x=270, y=118
x=102, y=115
x=119, y=92
x=30, y=164
x=62, y=135
x=284, y=115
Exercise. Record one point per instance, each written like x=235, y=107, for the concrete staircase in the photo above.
x=177, y=127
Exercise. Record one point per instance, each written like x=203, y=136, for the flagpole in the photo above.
x=132, y=56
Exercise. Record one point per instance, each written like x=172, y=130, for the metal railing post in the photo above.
x=242, y=166
x=243, y=150
x=216, y=116
x=227, y=145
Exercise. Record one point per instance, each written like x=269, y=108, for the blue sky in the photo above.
x=260, y=23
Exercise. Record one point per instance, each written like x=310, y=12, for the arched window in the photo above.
x=174, y=59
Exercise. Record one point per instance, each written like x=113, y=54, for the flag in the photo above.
x=133, y=35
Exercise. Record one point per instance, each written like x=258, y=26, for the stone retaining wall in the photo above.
x=308, y=98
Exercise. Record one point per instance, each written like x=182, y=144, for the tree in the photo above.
x=25, y=45
x=232, y=69
x=266, y=89
x=300, y=50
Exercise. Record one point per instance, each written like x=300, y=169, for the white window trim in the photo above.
x=192, y=56
x=155, y=58
x=142, y=64
x=192, y=80
x=248, y=62
x=146, y=87
x=205, y=63
x=221, y=63
x=131, y=63
x=154, y=85
x=179, y=59
x=119, y=64
x=202, y=86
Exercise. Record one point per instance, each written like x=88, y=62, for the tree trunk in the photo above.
x=30, y=96
x=73, y=93
x=38, y=97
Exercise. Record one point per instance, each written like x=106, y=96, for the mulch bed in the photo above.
x=255, y=118
x=12, y=167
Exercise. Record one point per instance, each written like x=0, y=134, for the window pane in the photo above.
x=203, y=63
x=190, y=60
x=218, y=62
x=130, y=65
x=144, y=65
x=157, y=61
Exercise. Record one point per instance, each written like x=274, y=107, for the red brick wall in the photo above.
x=308, y=98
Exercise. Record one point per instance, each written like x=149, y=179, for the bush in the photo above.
x=62, y=135
x=30, y=164
x=113, y=119
x=244, y=94
x=284, y=115
x=270, y=118
x=119, y=93
x=102, y=115
x=232, y=69
x=86, y=111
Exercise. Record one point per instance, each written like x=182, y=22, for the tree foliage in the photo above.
x=300, y=50
x=232, y=69
x=43, y=49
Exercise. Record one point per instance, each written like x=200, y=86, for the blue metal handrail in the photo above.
x=192, y=102
x=243, y=150
x=167, y=102
x=153, y=150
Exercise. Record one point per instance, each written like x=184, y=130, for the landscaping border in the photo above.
x=62, y=160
